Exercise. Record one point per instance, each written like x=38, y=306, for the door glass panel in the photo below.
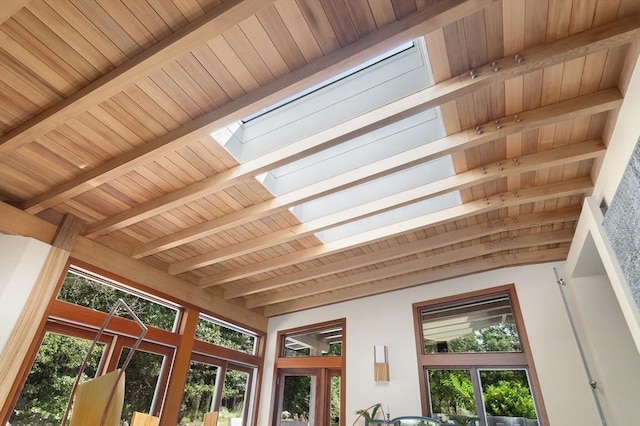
x=141, y=381
x=46, y=391
x=298, y=401
x=198, y=393
x=232, y=406
x=507, y=398
x=335, y=400
x=452, y=397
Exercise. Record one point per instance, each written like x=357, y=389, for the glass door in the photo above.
x=308, y=397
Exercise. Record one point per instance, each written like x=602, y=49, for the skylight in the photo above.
x=357, y=202
x=329, y=81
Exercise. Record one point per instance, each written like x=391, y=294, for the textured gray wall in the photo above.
x=622, y=223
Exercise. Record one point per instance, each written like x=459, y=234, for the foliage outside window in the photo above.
x=84, y=290
x=475, y=367
x=46, y=391
x=212, y=331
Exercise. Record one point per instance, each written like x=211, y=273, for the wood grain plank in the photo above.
x=281, y=37
x=10, y=8
x=383, y=12
x=361, y=16
x=475, y=39
x=536, y=14
x=558, y=19
x=339, y=19
x=250, y=56
x=319, y=24
x=582, y=15
x=513, y=23
x=294, y=20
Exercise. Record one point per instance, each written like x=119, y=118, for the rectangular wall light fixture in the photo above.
x=380, y=364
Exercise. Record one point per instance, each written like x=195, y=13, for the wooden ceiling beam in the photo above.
x=497, y=260
x=480, y=230
x=604, y=37
x=406, y=267
x=410, y=158
x=582, y=185
x=558, y=189
x=415, y=25
x=563, y=155
x=208, y=26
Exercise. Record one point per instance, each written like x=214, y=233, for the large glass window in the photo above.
x=474, y=361
x=221, y=376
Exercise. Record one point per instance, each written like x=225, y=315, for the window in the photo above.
x=84, y=289
x=474, y=364
x=223, y=334
x=310, y=375
x=221, y=376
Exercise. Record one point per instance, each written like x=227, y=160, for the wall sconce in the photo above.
x=380, y=364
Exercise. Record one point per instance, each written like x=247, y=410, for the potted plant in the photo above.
x=370, y=413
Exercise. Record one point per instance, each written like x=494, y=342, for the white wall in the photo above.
x=614, y=361
x=21, y=260
x=387, y=320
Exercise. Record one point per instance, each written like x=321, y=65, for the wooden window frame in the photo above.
x=78, y=321
x=326, y=365
x=516, y=360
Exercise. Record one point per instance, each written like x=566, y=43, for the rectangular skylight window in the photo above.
x=330, y=81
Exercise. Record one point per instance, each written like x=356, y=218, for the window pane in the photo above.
x=46, y=392
x=233, y=398
x=141, y=379
x=485, y=325
x=325, y=342
x=198, y=393
x=452, y=396
x=83, y=290
x=335, y=400
x=298, y=400
x=212, y=331
x=507, y=398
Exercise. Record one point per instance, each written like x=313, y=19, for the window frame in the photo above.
x=479, y=360
x=325, y=366
x=78, y=321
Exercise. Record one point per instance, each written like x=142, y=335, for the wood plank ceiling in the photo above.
x=106, y=110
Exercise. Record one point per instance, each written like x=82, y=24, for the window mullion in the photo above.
x=477, y=394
